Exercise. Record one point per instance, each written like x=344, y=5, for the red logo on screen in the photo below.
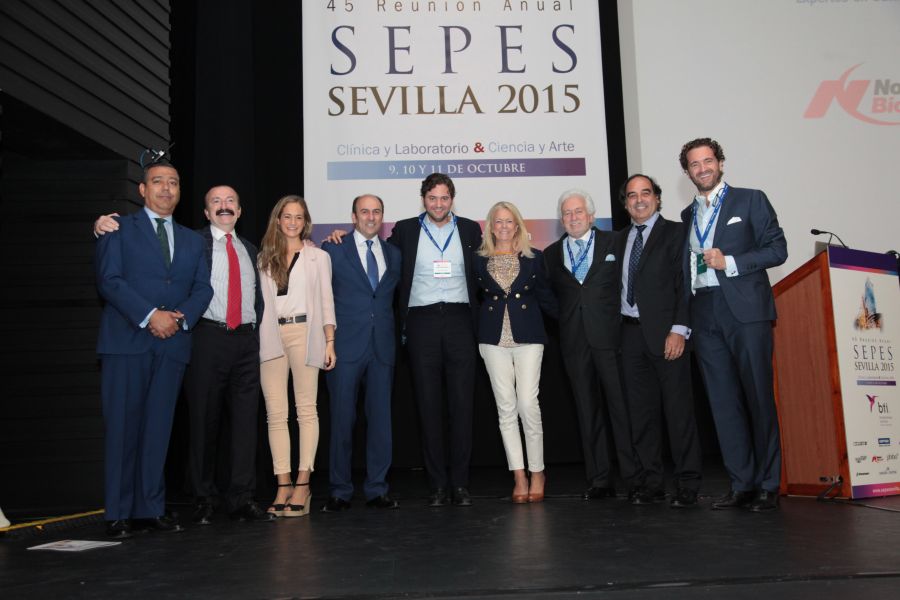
x=854, y=97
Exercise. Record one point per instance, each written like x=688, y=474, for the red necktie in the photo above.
x=233, y=310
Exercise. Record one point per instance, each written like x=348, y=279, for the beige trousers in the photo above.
x=274, y=379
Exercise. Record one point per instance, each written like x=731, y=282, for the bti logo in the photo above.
x=850, y=95
x=882, y=407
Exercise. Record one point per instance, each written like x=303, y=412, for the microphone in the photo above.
x=830, y=233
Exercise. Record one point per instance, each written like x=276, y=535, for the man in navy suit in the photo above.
x=154, y=277
x=364, y=276
x=732, y=237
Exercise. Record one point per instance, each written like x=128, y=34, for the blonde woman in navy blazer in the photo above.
x=511, y=337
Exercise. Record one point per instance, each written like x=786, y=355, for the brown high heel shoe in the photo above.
x=520, y=498
x=535, y=497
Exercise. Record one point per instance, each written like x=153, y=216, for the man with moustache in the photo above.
x=585, y=275
x=437, y=307
x=224, y=371
x=364, y=276
x=656, y=368
x=733, y=236
x=153, y=277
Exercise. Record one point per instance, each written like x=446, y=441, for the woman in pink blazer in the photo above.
x=296, y=336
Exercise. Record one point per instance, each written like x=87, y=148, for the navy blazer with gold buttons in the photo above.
x=529, y=294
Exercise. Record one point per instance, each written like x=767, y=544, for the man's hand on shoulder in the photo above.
x=105, y=224
x=335, y=236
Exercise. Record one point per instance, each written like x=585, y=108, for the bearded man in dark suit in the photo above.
x=732, y=236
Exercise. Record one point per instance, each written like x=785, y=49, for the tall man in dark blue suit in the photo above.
x=364, y=276
x=732, y=237
x=154, y=277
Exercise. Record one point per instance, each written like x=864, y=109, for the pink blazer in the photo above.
x=319, y=309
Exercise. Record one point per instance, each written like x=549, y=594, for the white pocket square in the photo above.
x=610, y=258
x=733, y=220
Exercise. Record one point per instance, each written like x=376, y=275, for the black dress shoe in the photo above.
x=162, y=524
x=335, y=504
x=684, y=498
x=642, y=497
x=383, y=501
x=251, y=512
x=120, y=529
x=764, y=501
x=733, y=499
x=596, y=493
x=203, y=514
x=438, y=497
x=461, y=497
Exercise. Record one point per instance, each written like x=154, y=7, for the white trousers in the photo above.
x=515, y=378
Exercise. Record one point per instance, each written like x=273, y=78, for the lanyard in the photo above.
x=712, y=219
x=431, y=237
x=583, y=254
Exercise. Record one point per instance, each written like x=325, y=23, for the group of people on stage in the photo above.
x=627, y=303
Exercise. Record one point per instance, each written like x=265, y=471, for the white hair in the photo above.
x=575, y=192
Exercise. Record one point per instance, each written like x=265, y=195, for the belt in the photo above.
x=630, y=320
x=242, y=328
x=440, y=307
x=707, y=290
x=292, y=319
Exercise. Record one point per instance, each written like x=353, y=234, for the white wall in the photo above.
x=744, y=73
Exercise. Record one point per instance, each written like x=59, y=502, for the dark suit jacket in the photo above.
x=529, y=293
x=405, y=236
x=747, y=229
x=362, y=314
x=206, y=234
x=659, y=281
x=591, y=309
x=133, y=279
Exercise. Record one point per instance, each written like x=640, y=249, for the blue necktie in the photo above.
x=371, y=265
x=581, y=271
x=636, y=248
x=163, y=240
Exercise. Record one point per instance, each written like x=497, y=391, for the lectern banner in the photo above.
x=505, y=97
x=866, y=298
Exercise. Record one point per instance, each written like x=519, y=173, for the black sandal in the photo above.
x=278, y=509
x=297, y=510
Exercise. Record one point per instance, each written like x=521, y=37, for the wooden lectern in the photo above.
x=807, y=383
x=836, y=383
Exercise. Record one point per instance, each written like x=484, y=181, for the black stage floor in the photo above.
x=562, y=548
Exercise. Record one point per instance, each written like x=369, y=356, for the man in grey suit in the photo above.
x=732, y=237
